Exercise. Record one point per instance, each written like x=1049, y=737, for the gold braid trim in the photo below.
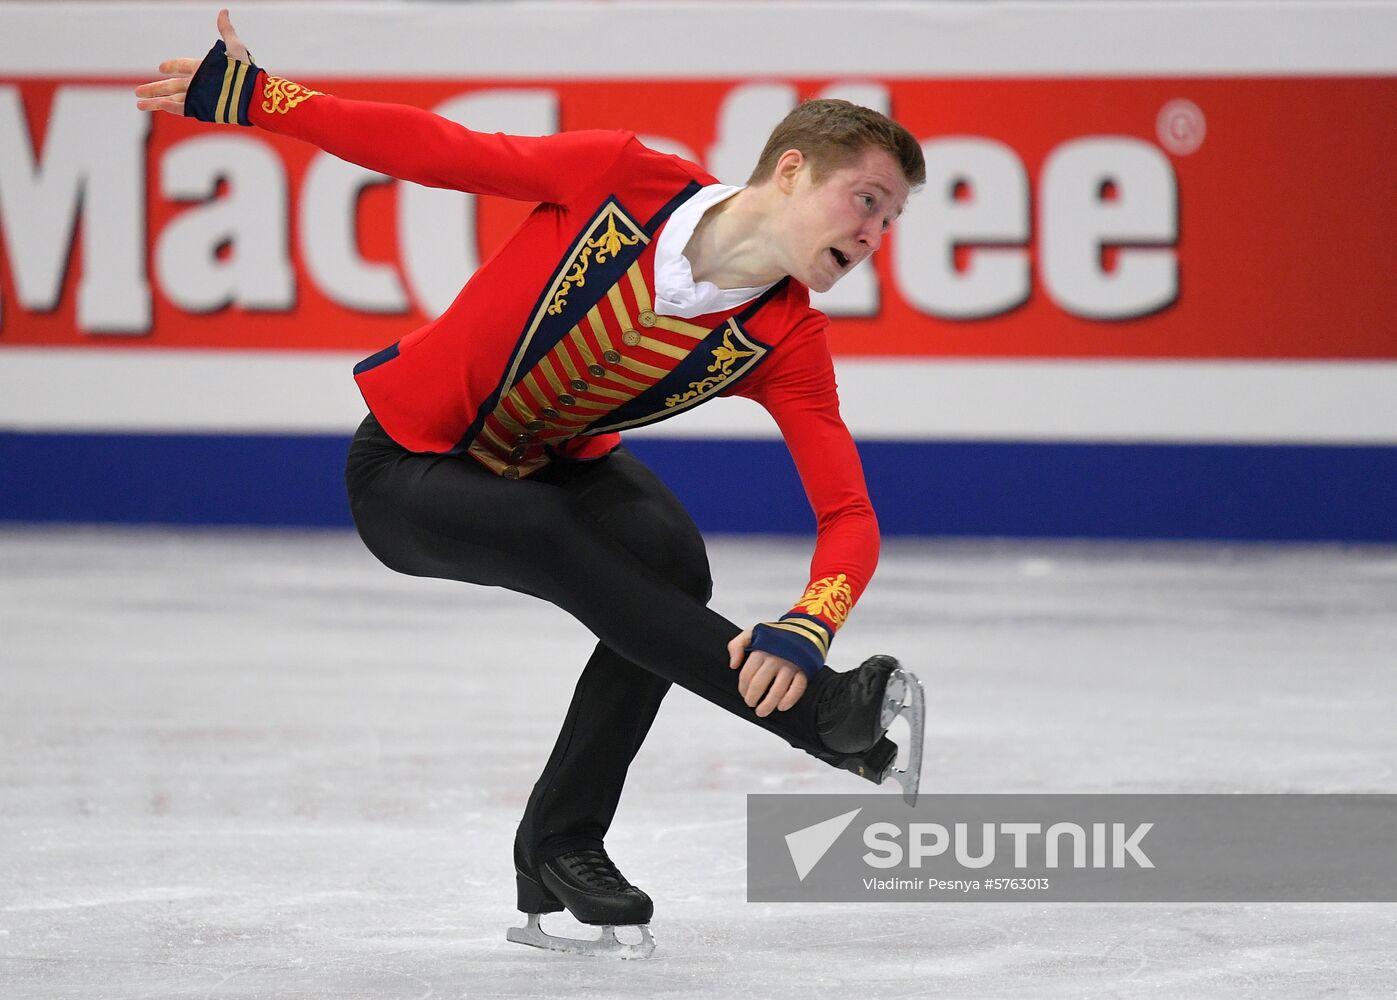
x=280, y=96
x=806, y=631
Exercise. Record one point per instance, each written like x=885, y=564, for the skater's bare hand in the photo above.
x=168, y=94
x=767, y=682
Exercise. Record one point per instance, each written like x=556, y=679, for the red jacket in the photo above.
x=553, y=346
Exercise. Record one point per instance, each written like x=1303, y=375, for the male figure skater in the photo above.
x=638, y=288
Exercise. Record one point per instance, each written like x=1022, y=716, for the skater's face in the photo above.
x=833, y=224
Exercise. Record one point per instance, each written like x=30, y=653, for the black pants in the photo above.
x=608, y=543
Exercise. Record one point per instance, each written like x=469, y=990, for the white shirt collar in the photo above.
x=676, y=293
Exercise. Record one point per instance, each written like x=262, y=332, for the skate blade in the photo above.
x=905, y=697
x=606, y=946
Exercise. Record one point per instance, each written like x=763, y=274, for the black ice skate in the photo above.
x=854, y=712
x=594, y=892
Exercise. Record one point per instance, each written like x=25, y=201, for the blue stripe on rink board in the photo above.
x=1245, y=492
x=173, y=479
x=1251, y=492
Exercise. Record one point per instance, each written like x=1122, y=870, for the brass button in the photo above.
x=518, y=452
x=630, y=338
x=551, y=413
x=596, y=370
x=535, y=425
x=647, y=318
x=510, y=472
x=577, y=385
x=523, y=438
x=611, y=357
x=567, y=400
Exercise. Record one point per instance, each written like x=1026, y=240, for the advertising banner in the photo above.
x=1205, y=218
x=1143, y=225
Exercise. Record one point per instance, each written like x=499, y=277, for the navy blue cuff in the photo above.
x=221, y=89
x=791, y=641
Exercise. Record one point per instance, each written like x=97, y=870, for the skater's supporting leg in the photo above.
x=615, y=701
x=575, y=798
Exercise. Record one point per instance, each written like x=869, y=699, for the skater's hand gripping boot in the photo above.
x=767, y=683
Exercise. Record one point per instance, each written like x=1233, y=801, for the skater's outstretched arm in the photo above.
x=169, y=94
x=398, y=140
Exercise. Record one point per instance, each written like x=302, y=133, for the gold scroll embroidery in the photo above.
x=605, y=246
x=725, y=355
x=280, y=96
x=830, y=597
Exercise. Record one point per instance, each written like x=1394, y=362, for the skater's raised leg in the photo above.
x=448, y=517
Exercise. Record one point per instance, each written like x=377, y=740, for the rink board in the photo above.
x=1290, y=492
x=1220, y=362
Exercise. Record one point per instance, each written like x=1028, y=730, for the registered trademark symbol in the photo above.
x=1181, y=127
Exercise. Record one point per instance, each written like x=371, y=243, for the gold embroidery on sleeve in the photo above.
x=831, y=597
x=280, y=96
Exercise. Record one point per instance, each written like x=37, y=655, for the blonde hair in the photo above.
x=832, y=134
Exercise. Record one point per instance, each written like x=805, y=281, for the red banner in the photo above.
x=1171, y=218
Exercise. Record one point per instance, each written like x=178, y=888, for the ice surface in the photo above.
x=257, y=764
